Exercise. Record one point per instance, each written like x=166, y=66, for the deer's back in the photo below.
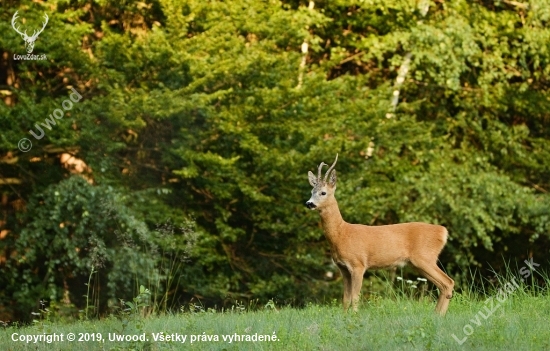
x=390, y=245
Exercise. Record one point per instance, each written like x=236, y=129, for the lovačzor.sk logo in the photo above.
x=29, y=40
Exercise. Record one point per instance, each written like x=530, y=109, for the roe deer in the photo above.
x=356, y=247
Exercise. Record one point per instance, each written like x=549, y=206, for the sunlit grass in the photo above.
x=519, y=323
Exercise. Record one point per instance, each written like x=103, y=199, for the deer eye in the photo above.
x=323, y=193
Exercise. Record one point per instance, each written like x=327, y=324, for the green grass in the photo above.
x=520, y=323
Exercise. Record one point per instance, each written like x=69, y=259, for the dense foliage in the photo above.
x=205, y=111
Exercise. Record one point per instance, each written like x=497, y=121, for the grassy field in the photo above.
x=518, y=322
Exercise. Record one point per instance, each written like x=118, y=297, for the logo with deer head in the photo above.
x=29, y=40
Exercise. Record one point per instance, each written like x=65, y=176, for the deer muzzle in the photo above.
x=310, y=205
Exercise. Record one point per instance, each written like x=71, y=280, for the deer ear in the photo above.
x=312, y=179
x=332, y=179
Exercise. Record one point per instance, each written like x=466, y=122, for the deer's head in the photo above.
x=29, y=40
x=323, y=189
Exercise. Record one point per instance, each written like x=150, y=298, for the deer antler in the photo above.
x=331, y=167
x=24, y=34
x=319, y=173
x=13, y=20
x=34, y=34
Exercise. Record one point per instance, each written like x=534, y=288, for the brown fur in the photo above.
x=356, y=247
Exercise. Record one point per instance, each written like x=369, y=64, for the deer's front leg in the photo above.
x=356, y=283
x=347, y=286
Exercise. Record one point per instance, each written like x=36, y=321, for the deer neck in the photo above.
x=332, y=221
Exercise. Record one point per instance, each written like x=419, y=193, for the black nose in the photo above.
x=310, y=204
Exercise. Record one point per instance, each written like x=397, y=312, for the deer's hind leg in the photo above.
x=443, y=282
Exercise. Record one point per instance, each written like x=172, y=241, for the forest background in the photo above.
x=183, y=167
